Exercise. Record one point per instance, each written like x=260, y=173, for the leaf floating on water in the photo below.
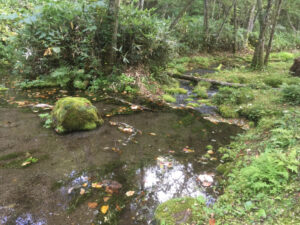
x=187, y=150
x=97, y=185
x=82, y=191
x=113, y=123
x=127, y=130
x=130, y=193
x=104, y=209
x=211, y=152
x=92, y=205
x=206, y=179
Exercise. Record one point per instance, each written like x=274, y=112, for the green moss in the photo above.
x=200, y=91
x=182, y=211
x=195, y=105
x=274, y=82
x=73, y=114
x=169, y=98
x=3, y=88
x=176, y=90
x=11, y=156
x=228, y=111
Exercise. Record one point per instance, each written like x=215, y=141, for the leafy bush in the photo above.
x=269, y=173
x=227, y=95
x=291, y=94
x=228, y=111
x=76, y=34
x=274, y=82
x=254, y=112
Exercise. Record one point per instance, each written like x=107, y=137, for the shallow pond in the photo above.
x=104, y=176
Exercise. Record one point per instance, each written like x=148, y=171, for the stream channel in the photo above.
x=78, y=173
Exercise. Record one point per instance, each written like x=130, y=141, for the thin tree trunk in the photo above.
x=206, y=23
x=213, y=9
x=113, y=13
x=178, y=17
x=141, y=4
x=224, y=21
x=250, y=24
x=258, y=57
x=290, y=22
x=274, y=23
x=235, y=27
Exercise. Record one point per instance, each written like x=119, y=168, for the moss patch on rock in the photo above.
x=182, y=211
x=75, y=114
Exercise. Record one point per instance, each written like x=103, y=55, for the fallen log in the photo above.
x=197, y=79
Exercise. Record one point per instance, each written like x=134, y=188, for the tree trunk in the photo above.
x=223, y=23
x=235, y=27
x=113, y=13
x=258, y=57
x=250, y=23
x=213, y=9
x=274, y=23
x=178, y=17
x=206, y=23
x=141, y=4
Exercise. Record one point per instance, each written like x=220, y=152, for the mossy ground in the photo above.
x=181, y=211
x=260, y=170
x=74, y=114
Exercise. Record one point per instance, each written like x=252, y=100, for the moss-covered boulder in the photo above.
x=75, y=114
x=182, y=211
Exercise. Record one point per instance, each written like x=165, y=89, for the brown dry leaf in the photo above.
x=48, y=52
x=105, y=199
x=82, y=191
x=92, y=205
x=152, y=134
x=129, y=193
x=118, y=208
x=109, y=190
x=104, y=209
x=113, y=123
x=210, y=152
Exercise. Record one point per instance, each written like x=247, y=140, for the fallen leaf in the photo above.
x=212, y=221
x=104, y=209
x=82, y=191
x=97, y=185
x=118, y=208
x=135, y=107
x=92, y=205
x=152, y=134
x=187, y=150
x=85, y=185
x=129, y=193
x=26, y=163
x=210, y=152
x=113, y=123
x=105, y=199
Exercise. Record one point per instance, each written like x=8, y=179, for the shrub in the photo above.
x=269, y=173
x=254, y=112
x=274, y=82
x=228, y=111
x=227, y=95
x=291, y=94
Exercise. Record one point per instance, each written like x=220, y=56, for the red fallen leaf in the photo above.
x=92, y=205
x=212, y=221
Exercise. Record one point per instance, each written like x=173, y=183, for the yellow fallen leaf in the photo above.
x=104, y=209
x=85, y=185
x=96, y=185
x=129, y=193
x=92, y=205
x=82, y=191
